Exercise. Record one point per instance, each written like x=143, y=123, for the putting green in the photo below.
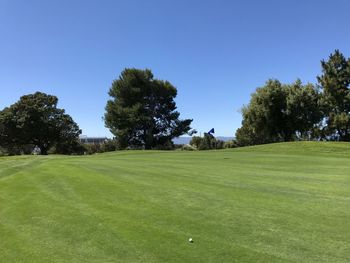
x=285, y=202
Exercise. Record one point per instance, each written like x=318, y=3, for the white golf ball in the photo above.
x=190, y=240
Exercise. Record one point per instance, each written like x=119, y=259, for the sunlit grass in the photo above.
x=272, y=203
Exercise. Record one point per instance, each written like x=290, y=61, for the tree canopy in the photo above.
x=35, y=119
x=142, y=111
x=279, y=112
x=335, y=83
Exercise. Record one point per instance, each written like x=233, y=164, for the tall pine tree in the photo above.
x=335, y=83
x=142, y=111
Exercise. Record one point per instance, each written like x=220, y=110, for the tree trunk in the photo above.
x=43, y=149
x=148, y=137
x=148, y=140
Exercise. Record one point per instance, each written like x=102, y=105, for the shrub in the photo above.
x=208, y=142
x=69, y=148
x=28, y=148
x=93, y=148
x=169, y=145
x=188, y=147
x=196, y=141
x=2, y=151
x=230, y=144
x=219, y=144
x=109, y=145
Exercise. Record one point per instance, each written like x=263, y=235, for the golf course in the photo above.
x=285, y=202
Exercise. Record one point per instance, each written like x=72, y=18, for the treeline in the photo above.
x=287, y=112
x=141, y=114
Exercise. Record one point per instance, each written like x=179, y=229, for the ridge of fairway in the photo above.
x=301, y=147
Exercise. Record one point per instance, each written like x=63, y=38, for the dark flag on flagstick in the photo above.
x=211, y=131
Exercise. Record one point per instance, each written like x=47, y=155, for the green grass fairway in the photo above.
x=275, y=203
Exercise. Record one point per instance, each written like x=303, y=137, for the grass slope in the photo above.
x=273, y=203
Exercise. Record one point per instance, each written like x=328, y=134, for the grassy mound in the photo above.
x=285, y=202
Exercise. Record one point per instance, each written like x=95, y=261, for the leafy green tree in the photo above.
x=335, y=84
x=303, y=109
x=35, y=119
x=264, y=118
x=9, y=133
x=142, y=111
x=278, y=112
x=247, y=135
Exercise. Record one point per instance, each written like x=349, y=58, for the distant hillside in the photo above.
x=186, y=140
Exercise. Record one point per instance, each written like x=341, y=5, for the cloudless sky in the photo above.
x=215, y=52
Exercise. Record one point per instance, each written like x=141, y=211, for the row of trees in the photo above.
x=285, y=112
x=141, y=114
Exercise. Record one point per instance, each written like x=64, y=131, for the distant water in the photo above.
x=186, y=140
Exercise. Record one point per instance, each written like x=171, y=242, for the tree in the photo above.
x=279, y=112
x=335, y=82
x=264, y=118
x=35, y=119
x=247, y=135
x=303, y=109
x=9, y=133
x=142, y=111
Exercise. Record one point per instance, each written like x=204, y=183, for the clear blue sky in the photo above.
x=215, y=52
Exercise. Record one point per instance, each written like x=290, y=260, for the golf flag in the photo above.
x=211, y=131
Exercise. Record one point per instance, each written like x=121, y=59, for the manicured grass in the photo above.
x=274, y=203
